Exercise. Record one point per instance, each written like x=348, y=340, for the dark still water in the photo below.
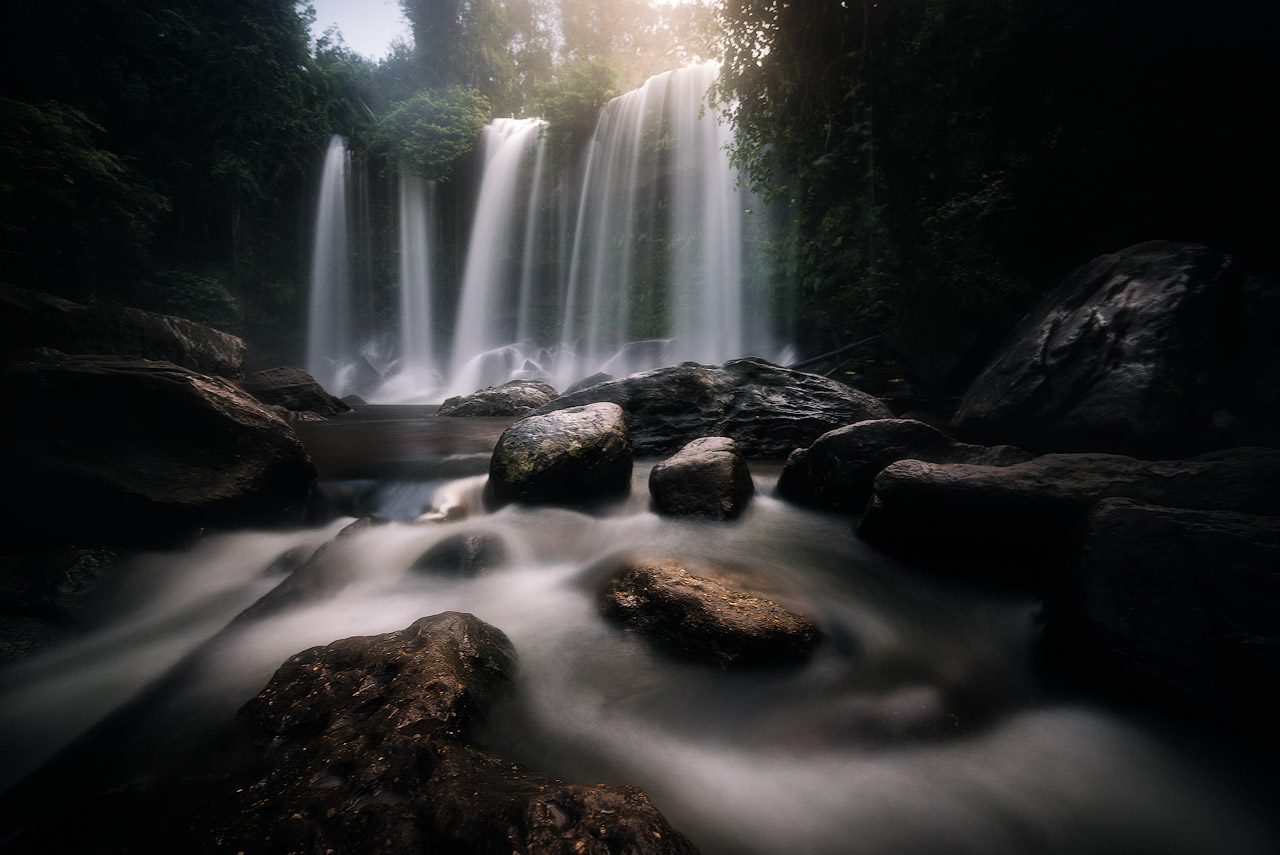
x=919, y=726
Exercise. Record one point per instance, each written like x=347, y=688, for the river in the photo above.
x=920, y=725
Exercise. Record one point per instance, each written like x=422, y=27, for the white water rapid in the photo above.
x=919, y=725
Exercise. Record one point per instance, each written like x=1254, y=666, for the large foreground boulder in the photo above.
x=768, y=410
x=707, y=478
x=1027, y=511
x=569, y=456
x=1159, y=350
x=30, y=319
x=363, y=745
x=704, y=619
x=294, y=389
x=837, y=471
x=510, y=399
x=120, y=451
x=1179, y=603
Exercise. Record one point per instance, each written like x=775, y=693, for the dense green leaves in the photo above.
x=426, y=134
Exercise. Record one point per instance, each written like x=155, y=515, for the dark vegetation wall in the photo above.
x=949, y=160
x=945, y=161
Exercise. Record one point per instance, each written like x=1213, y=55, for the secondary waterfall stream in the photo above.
x=920, y=725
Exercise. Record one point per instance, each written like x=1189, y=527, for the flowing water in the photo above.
x=645, y=251
x=919, y=725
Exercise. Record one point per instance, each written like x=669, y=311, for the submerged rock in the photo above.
x=1028, y=510
x=146, y=452
x=510, y=399
x=766, y=409
x=1179, y=602
x=362, y=746
x=838, y=470
x=708, y=478
x=462, y=555
x=293, y=389
x=574, y=455
x=30, y=319
x=1159, y=350
x=704, y=619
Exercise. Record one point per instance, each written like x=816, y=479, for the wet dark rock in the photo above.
x=43, y=595
x=146, y=453
x=837, y=471
x=362, y=746
x=1160, y=350
x=1177, y=603
x=321, y=576
x=708, y=478
x=1029, y=510
x=588, y=382
x=30, y=319
x=572, y=455
x=463, y=555
x=293, y=389
x=703, y=619
x=768, y=410
x=510, y=399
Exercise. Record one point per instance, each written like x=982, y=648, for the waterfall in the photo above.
x=645, y=252
x=485, y=328
x=329, y=336
x=415, y=378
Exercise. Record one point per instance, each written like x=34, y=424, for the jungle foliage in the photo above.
x=947, y=161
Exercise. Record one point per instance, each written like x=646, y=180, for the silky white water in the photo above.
x=330, y=339
x=643, y=250
x=918, y=725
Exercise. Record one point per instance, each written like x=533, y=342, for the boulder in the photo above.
x=104, y=450
x=768, y=410
x=463, y=555
x=293, y=389
x=588, y=382
x=510, y=399
x=571, y=456
x=323, y=574
x=30, y=319
x=837, y=471
x=362, y=746
x=43, y=595
x=707, y=478
x=1027, y=511
x=705, y=620
x=1176, y=603
x=1159, y=350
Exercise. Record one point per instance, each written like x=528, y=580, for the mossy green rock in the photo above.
x=569, y=456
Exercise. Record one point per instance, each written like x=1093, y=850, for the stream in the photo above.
x=920, y=724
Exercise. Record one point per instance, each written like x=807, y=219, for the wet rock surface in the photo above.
x=510, y=399
x=768, y=410
x=362, y=746
x=568, y=456
x=707, y=478
x=30, y=319
x=43, y=594
x=703, y=619
x=838, y=470
x=1181, y=601
x=148, y=452
x=463, y=555
x=1029, y=510
x=1159, y=350
x=293, y=389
